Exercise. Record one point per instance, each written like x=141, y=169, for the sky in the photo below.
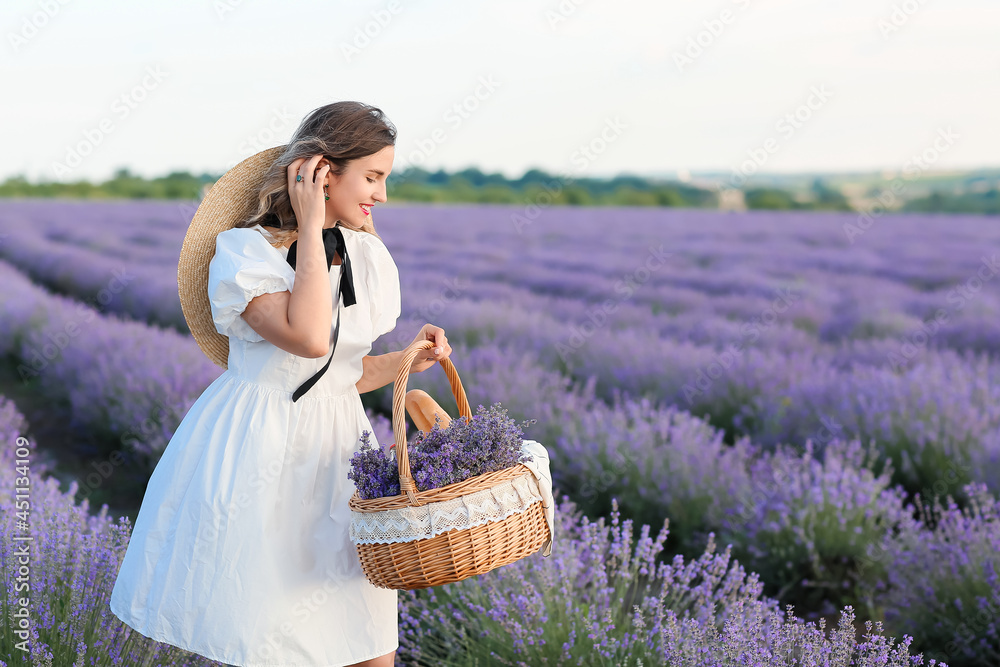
x=582, y=87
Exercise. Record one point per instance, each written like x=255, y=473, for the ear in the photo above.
x=330, y=178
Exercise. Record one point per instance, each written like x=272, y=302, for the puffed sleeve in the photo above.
x=382, y=280
x=245, y=265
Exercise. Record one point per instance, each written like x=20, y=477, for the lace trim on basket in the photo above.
x=409, y=524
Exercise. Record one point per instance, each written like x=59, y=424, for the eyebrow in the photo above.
x=377, y=171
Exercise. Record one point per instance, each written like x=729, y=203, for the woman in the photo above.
x=240, y=550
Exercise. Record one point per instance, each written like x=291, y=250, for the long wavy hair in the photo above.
x=341, y=132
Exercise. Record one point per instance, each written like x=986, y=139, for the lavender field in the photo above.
x=811, y=400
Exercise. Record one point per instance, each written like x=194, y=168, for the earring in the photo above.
x=325, y=194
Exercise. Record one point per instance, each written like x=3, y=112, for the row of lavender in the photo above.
x=767, y=279
x=124, y=380
x=599, y=599
x=822, y=526
x=101, y=253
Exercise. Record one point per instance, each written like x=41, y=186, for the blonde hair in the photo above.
x=341, y=132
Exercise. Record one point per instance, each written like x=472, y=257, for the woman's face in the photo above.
x=361, y=185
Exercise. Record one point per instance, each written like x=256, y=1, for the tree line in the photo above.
x=472, y=185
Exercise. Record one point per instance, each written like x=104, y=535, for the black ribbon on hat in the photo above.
x=333, y=242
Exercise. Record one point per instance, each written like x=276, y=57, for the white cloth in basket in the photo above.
x=540, y=468
x=474, y=509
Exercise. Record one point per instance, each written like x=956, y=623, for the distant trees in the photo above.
x=820, y=197
x=471, y=184
x=987, y=202
x=123, y=185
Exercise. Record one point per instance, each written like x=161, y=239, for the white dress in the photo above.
x=240, y=551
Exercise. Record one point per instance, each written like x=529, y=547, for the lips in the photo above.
x=365, y=208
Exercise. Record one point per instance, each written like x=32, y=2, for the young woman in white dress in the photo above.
x=240, y=550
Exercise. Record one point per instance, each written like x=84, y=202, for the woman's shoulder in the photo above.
x=241, y=233
x=269, y=233
x=372, y=244
x=236, y=232
x=246, y=236
x=243, y=245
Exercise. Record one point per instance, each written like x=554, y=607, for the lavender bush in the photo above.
x=601, y=599
x=941, y=583
x=489, y=442
x=933, y=421
x=929, y=420
x=806, y=523
x=74, y=559
x=656, y=462
x=13, y=425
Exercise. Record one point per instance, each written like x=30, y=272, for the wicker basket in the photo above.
x=455, y=554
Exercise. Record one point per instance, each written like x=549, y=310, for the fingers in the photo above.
x=292, y=170
x=441, y=347
x=440, y=351
x=310, y=169
x=305, y=167
x=306, y=195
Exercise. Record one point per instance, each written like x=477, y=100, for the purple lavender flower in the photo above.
x=489, y=442
x=374, y=473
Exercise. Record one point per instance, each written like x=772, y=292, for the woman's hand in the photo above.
x=306, y=196
x=426, y=358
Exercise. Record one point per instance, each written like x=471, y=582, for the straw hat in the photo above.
x=233, y=198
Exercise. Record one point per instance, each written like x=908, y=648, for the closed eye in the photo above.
x=370, y=180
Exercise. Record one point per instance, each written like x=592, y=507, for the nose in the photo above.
x=379, y=195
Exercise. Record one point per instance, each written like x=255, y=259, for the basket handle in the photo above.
x=406, y=483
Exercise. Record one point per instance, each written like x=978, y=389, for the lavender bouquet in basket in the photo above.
x=489, y=442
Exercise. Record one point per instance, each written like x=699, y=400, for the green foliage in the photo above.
x=819, y=198
x=472, y=185
x=987, y=202
x=535, y=185
x=769, y=198
x=123, y=185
